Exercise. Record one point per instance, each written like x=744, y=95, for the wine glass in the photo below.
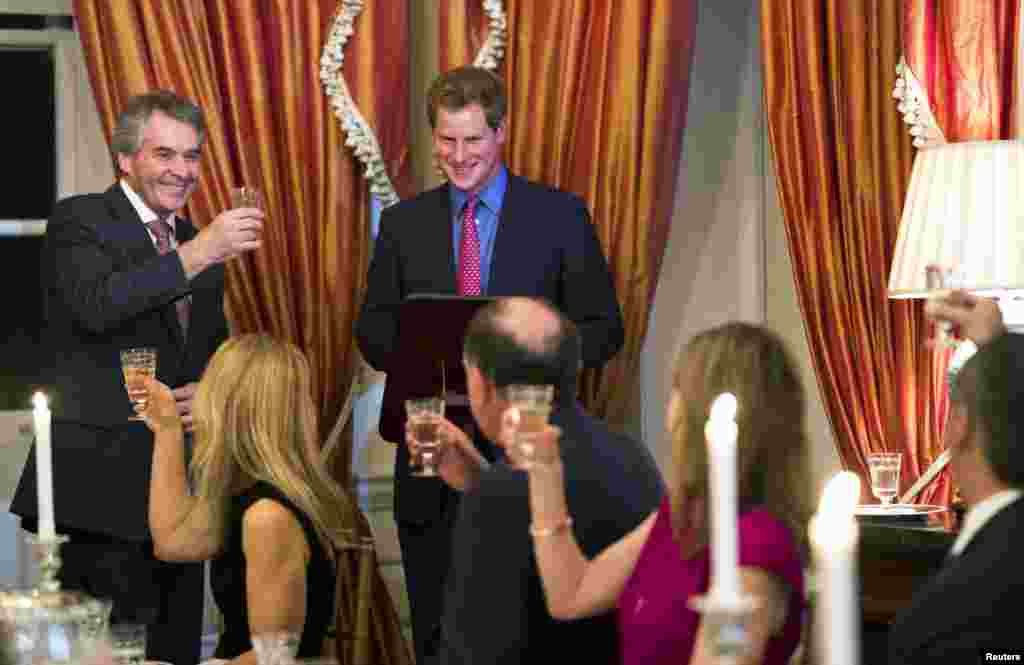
x=246, y=197
x=534, y=404
x=885, y=475
x=137, y=364
x=424, y=416
x=939, y=281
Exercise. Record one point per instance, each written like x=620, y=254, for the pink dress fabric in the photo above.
x=655, y=623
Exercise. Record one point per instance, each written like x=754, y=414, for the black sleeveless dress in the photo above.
x=227, y=579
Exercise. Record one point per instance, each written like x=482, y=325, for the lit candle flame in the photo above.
x=723, y=408
x=39, y=401
x=839, y=499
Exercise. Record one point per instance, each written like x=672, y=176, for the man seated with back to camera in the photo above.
x=494, y=608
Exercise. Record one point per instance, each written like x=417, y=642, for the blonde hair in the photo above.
x=255, y=421
x=772, y=447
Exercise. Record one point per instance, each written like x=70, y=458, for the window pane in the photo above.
x=32, y=185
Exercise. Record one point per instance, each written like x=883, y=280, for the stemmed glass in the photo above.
x=425, y=416
x=137, y=364
x=885, y=475
x=534, y=404
x=246, y=197
x=939, y=281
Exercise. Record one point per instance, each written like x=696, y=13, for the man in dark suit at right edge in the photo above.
x=484, y=232
x=969, y=612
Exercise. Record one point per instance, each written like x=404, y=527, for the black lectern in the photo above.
x=428, y=359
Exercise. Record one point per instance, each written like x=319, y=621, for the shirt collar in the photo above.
x=492, y=194
x=146, y=213
x=980, y=514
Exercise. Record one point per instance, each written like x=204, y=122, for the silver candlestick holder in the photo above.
x=728, y=618
x=45, y=624
x=46, y=552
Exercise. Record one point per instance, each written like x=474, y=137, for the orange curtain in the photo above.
x=597, y=106
x=256, y=75
x=843, y=159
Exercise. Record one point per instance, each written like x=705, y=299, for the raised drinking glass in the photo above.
x=939, y=281
x=425, y=416
x=246, y=197
x=885, y=475
x=534, y=404
x=137, y=364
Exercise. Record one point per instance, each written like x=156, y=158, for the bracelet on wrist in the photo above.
x=546, y=531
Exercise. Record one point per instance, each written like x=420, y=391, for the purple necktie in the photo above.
x=469, y=251
x=162, y=230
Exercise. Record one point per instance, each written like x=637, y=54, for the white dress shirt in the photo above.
x=979, y=515
x=146, y=213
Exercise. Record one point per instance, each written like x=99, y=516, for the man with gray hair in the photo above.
x=968, y=612
x=123, y=269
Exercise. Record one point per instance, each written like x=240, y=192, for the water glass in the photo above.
x=128, y=642
x=425, y=416
x=885, y=475
x=534, y=404
x=137, y=364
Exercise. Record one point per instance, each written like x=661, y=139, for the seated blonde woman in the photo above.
x=653, y=572
x=264, y=507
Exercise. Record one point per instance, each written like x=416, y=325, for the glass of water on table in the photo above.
x=885, y=475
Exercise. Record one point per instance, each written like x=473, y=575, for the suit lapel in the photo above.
x=504, y=237
x=445, y=219
x=128, y=228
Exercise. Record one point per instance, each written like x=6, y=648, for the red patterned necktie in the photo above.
x=162, y=230
x=469, y=251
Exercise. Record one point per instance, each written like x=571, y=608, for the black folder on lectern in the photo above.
x=428, y=359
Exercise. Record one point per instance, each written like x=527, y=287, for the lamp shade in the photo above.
x=964, y=210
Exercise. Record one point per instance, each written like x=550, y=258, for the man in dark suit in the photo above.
x=122, y=270
x=494, y=607
x=486, y=232
x=968, y=613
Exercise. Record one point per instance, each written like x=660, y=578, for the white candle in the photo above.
x=833, y=532
x=720, y=433
x=44, y=467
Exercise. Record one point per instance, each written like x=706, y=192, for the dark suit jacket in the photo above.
x=972, y=605
x=494, y=608
x=106, y=289
x=545, y=247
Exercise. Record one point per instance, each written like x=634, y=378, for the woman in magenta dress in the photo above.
x=652, y=573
